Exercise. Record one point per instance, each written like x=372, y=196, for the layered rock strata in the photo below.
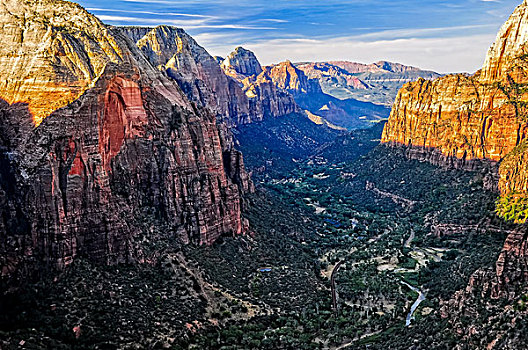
x=51, y=59
x=241, y=64
x=120, y=156
x=477, y=117
x=464, y=119
x=224, y=89
x=288, y=77
x=267, y=98
x=198, y=74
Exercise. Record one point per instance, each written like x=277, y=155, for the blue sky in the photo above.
x=443, y=35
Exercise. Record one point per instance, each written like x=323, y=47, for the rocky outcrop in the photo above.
x=266, y=96
x=288, y=77
x=461, y=120
x=284, y=88
x=377, y=82
x=219, y=59
x=241, y=64
x=377, y=67
x=198, y=74
x=467, y=118
x=52, y=54
x=324, y=71
x=125, y=160
x=451, y=114
x=267, y=99
x=511, y=269
x=493, y=302
x=230, y=90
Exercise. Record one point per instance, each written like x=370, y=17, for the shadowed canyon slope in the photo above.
x=123, y=156
x=246, y=102
x=128, y=218
x=285, y=88
x=202, y=79
x=343, y=94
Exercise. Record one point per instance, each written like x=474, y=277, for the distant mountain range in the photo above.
x=376, y=83
x=340, y=94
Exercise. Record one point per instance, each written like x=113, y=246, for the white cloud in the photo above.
x=202, y=23
x=150, y=13
x=274, y=20
x=155, y=21
x=419, y=32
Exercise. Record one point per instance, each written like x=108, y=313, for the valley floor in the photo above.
x=380, y=215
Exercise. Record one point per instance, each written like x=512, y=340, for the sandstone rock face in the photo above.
x=173, y=51
x=458, y=116
x=460, y=120
x=288, y=77
x=498, y=291
x=285, y=88
x=127, y=161
x=241, y=64
x=229, y=93
x=267, y=97
x=327, y=71
x=511, y=268
x=392, y=67
x=52, y=53
x=509, y=47
x=381, y=66
x=375, y=83
x=218, y=59
x=352, y=67
x=472, y=117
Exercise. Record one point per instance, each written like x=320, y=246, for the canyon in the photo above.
x=377, y=82
x=472, y=117
x=152, y=195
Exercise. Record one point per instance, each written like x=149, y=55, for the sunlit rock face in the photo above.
x=326, y=70
x=456, y=115
x=509, y=48
x=241, y=64
x=122, y=160
x=51, y=53
x=288, y=77
x=198, y=74
x=267, y=97
x=482, y=116
x=227, y=88
x=460, y=120
x=381, y=66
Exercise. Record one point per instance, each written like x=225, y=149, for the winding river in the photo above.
x=421, y=297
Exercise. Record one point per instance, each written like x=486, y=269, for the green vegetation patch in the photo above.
x=513, y=207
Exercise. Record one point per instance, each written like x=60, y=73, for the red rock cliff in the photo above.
x=175, y=52
x=122, y=161
x=463, y=119
x=469, y=118
x=221, y=88
x=266, y=97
